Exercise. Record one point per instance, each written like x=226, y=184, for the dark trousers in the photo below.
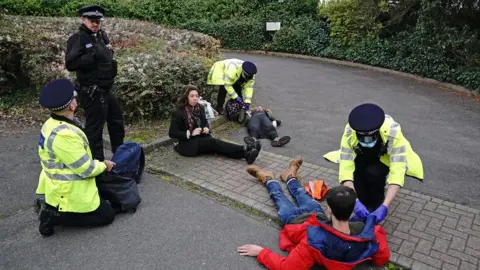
x=102, y=108
x=287, y=211
x=271, y=135
x=369, y=182
x=103, y=215
x=211, y=145
x=222, y=94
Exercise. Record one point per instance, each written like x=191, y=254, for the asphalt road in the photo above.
x=314, y=99
x=172, y=229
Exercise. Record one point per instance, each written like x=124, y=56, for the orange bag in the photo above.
x=317, y=189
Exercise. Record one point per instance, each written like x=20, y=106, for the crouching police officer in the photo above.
x=90, y=55
x=67, y=180
x=374, y=152
x=235, y=77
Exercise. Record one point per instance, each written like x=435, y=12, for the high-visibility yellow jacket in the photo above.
x=68, y=171
x=400, y=156
x=227, y=72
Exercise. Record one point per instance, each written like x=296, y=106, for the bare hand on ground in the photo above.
x=249, y=250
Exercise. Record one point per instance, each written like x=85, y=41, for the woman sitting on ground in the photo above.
x=190, y=126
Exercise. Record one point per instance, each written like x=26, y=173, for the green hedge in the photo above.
x=433, y=38
x=155, y=63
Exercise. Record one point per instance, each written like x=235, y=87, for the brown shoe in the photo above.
x=259, y=174
x=292, y=170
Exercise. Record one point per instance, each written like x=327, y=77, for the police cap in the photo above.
x=57, y=95
x=93, y=12
x=249, y=68
x=366, y=119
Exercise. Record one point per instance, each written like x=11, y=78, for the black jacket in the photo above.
x=88, y=55
x=178, y=130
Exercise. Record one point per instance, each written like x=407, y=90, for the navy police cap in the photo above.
x=92, y=12
x=57, y=95
x=249, y=68
x=366, y=118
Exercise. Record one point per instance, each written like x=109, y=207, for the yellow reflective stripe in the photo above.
x=64, y=177
x=349, y=135
x=230, y=79
x=77, y=164
x=248, y=101
x=89, y=170
x=53, y=165
x=346, y=157
x=346, y=150
x=392, y=135
x=398, y=150
x=398, y=159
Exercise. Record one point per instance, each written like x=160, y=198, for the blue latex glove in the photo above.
x=360, y=210
x=247, y=106
x=380, y=213
x=239, y=99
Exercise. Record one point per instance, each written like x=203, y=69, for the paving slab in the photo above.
x=423, y=232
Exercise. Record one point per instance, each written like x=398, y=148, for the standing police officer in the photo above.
x=90, y=55
x=374, y=152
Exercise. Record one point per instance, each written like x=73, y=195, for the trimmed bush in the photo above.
x=154, y=62
x=303, y=36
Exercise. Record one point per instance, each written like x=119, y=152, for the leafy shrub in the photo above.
x=352, y=20
x=234, y=34
x=303, y=36
x=154, y=62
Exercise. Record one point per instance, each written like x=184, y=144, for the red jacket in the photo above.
x=314, y=242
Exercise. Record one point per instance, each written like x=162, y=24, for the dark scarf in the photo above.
x=193, y=116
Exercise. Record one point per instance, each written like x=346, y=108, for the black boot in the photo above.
x=251, y=154
x=281, y=142
x=251, y=141
x=48, y=220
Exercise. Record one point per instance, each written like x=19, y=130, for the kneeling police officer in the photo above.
x=67, y=180
x=90, y=55
x=373, y=153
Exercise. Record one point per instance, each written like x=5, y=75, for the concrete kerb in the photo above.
x=147, y=147
x=433, y=82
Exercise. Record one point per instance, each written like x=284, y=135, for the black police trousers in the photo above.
x=102, y=108
x=103, y=215
x=369, y=181
x=222, y=94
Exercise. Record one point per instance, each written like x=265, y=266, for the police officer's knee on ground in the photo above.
x=67, y=179
x=90, y=55
x=373, y=153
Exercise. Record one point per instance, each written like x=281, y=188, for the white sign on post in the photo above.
x=273, y=26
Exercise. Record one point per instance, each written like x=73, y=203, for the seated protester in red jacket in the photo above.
x=190, y=126
x=310, y=236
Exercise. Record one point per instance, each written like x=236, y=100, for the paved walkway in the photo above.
x=423, y=232
x=313, y=101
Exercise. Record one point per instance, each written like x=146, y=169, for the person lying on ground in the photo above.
x=311, y=235
x=190, y=126
x=67, y=180
x=262, y=124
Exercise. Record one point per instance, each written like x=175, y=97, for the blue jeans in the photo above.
x=287, y=211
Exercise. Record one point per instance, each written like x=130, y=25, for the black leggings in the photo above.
x=211, y=145
x=369, y=182
x=103, y=215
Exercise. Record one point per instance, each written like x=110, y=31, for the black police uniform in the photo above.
x=91, y=59
x=370, y=173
